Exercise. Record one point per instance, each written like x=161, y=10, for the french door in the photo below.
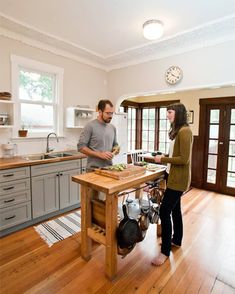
x=219, y=159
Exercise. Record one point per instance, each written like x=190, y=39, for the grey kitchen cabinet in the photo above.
x=15, y=197
x=52, y=187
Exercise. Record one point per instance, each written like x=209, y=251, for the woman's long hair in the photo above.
x=180, y=119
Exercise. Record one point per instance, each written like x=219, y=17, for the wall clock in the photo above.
x=173, y=75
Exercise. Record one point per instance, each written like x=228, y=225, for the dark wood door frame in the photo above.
x=200, y=140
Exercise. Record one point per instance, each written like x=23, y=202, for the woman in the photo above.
x=178, y=174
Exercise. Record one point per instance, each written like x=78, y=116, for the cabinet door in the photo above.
x=69, y=191
x=45, y=194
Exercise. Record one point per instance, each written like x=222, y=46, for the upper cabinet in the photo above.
x=6, y=113
x=77, y=117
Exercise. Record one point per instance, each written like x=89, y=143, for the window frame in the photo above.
x=139, y=109
x=17, y=63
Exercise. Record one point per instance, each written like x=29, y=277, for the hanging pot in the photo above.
x=128, y=231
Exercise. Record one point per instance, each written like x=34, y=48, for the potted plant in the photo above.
x=22, y=132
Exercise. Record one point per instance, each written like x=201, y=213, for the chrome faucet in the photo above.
x=48, y=148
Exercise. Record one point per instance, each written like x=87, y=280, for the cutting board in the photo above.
x=130, y=171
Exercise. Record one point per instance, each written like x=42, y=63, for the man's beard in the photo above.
x=107, y=120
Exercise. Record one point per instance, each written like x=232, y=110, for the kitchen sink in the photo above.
x=43, y=156
x=58, y=154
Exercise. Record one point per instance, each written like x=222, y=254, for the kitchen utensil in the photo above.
x=9, y=150
x=128, y=231
x=4, y=119
x=129, y=171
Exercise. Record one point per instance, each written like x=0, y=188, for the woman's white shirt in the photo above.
x=171, y=148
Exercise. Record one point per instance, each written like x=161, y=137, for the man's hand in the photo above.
x=106, y=155
x=116, y=150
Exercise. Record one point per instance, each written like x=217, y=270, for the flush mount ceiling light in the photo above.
x=153, y=29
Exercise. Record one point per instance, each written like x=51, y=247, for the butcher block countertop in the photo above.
x=20, y=161
x=109, y=185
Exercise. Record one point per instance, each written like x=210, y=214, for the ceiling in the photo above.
x=108, y=33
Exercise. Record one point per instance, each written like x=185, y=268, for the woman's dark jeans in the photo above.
x=171, y=205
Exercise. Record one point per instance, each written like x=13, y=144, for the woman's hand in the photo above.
x=158, y=158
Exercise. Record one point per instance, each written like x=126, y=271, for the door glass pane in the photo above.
x=211, y=176
x=232, y=116
x=213, y=146
x=214, y=116
x=214, y=131
x=231, y=164
x=232, y=148
x=232, y=132
x=212, y=161
x=231, y=180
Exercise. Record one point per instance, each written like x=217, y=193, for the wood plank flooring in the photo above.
x=204, y=264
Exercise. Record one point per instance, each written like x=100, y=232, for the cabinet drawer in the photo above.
x=14, y=174
x=15, y=215
x=43, y=169
x=14, y=186
x=14, y=198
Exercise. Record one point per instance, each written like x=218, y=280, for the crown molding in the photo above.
x=210, y=34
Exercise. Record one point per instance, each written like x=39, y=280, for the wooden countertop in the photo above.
x=20, y=161
x=109, y=185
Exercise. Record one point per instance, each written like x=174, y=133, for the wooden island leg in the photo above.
x=86, y=195
x=111, y=211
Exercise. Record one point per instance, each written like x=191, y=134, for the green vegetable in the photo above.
x=118, y=167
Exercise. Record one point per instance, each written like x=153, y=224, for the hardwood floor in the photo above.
x=204, y=263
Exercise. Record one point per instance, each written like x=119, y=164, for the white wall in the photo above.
x=83, y=84
x=201, y=68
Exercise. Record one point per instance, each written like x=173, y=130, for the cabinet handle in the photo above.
x=10, y=200
x=8, y=175
x=10, y=217
x=8, y=188
x=61, y=174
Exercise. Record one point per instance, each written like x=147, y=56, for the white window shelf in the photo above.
x=77, y=117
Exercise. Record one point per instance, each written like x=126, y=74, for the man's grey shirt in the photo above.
x=98, y=136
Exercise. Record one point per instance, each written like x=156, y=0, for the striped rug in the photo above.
x=60, y=228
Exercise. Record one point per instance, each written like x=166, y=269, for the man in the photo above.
x=98, y=138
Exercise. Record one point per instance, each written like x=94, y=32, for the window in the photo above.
x=37, y=89
x=148, y=129
x=131, y=128
x=163, y=129
x=148, y=126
